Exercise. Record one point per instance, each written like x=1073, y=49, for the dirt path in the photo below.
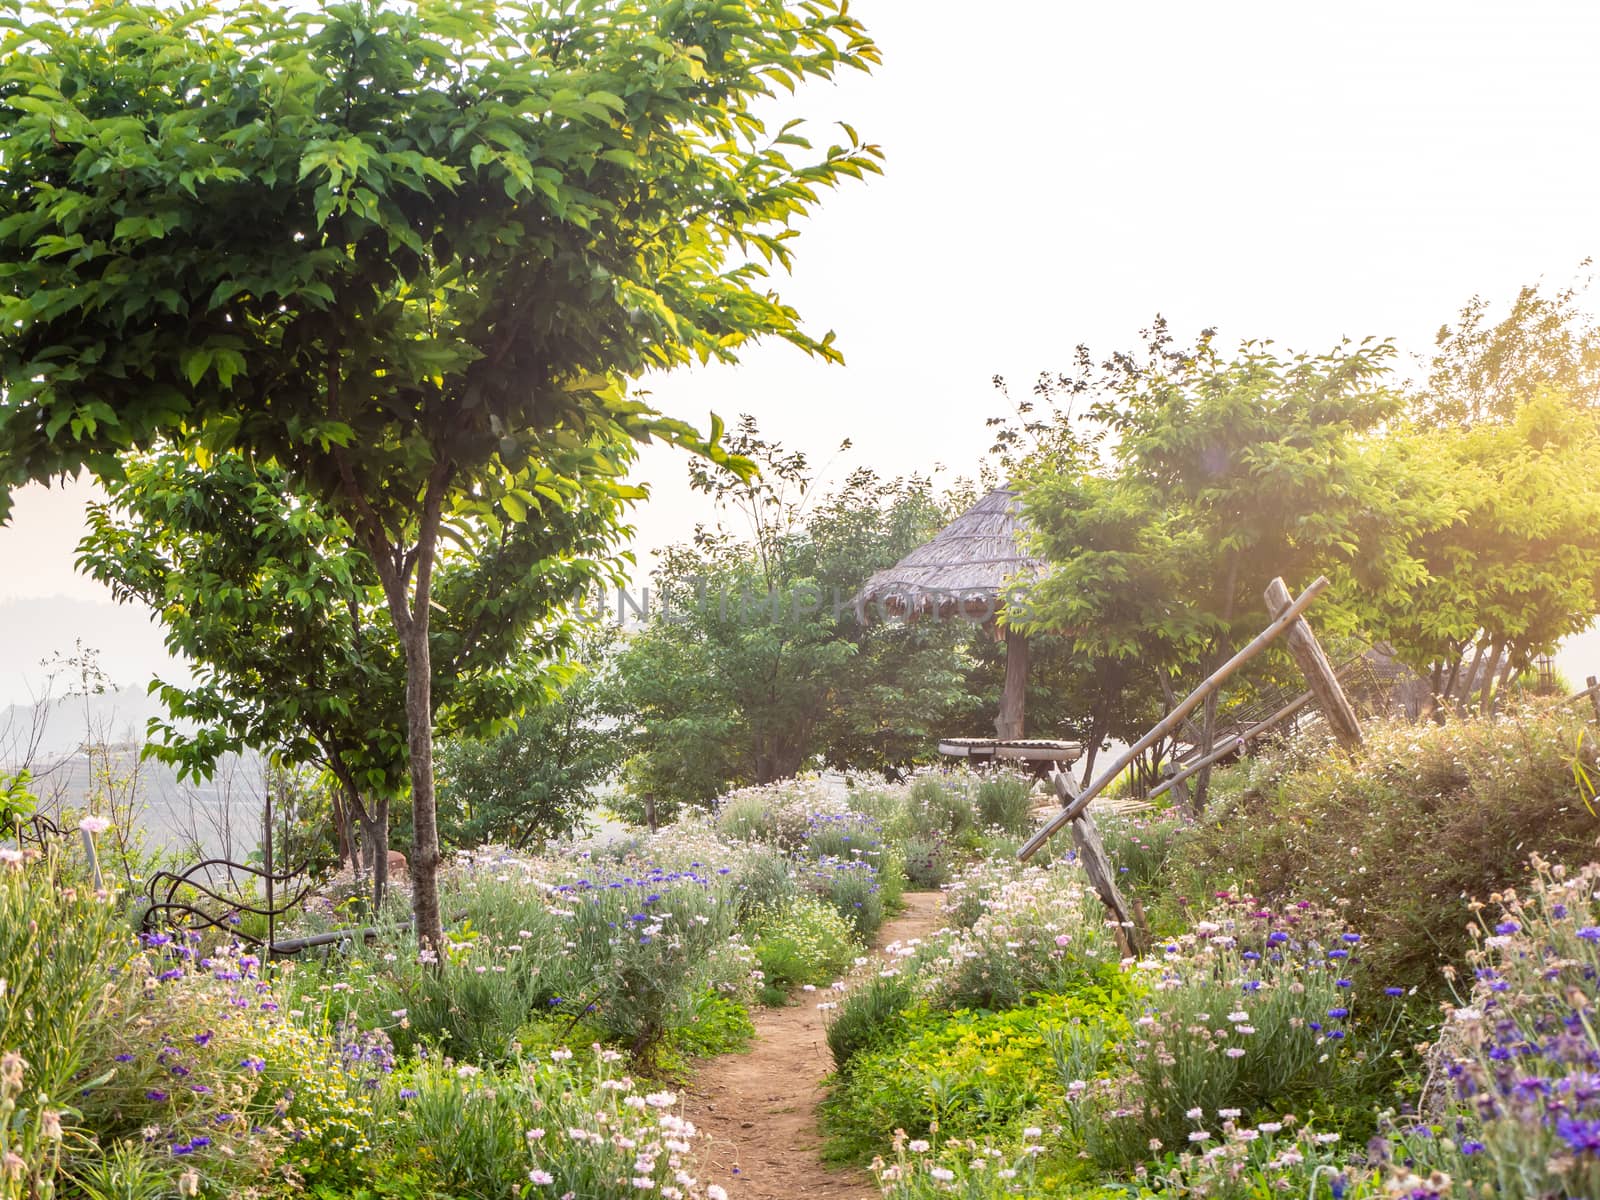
x=757, y=1111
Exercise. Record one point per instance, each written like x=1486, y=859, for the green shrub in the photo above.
x=1253, y=1011
x=745, y=818
x=846, y=836
x=629, y=958
x=808, y=942
x=927, y=1169
x=888, y=806
x=927, y=861
x=1005, y=801
x=1140, y=846
x=1421, y=819
x=1037, y=930
x=851, y=887
x=565, y=1125
x=66, y=960
x=868, y=1016
x=964, y=1074
x=762, y=882
x=1517, y=1058
x=940, y=805
x=715, y=1024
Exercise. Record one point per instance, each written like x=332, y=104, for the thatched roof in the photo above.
x=965, y=567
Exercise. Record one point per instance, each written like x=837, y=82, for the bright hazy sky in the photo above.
x=1059, y=172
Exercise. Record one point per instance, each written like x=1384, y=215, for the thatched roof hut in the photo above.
x=966, y=570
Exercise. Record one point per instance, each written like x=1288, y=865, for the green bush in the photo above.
x=1140, y=846
x=565, y=1124
x=941, y=805
x=1005, y=801
x=964, y=1074
x=846, y=836
x=927, y=861
x=1422, y=818
x=851, y=887
x=808, y=942
x=746, y=818
x=868, y=1016
x=66, y=960
x=1253, y=1011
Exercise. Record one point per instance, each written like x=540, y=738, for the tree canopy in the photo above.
x=411, y=253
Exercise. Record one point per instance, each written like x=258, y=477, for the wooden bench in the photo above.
x=1039, y=755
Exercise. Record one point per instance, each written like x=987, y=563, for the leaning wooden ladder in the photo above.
x=1324, y=687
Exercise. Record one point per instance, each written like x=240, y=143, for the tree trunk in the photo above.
x=424, y=810
x=374, y=825
x=1472, y=676
x=1013, y=696
x=341, y=831
x=1180, y=791
x=1487, y=689
x=378, y=839
x=1097, y=734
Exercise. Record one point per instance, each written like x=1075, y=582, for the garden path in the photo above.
x=757, y=1111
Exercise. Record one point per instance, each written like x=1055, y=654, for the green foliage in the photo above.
x=928, y=860
x=64, y=955
x=1141, y=846
x=536, y=781
x=1511, y=563
x=417, y=181
x=568, y=1123
x=1253, y=1011
x=1485, y=369
x=754, y=664
x=1424, y=818
x=850, y=887
x=1191, y=480
x=982, y=1075
x=1005, y=802
x=868, y=1016
x=17, y=801
x=714, y=1024
x=809, y=942
x=940, y=806
x=469, y=229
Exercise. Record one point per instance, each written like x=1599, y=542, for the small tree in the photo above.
x=535, y=781
x=410, y=252
x=1219, y=474
x=259, y=588
x=756, y=664
x=1514, y=564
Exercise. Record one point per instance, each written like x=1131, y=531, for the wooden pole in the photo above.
x=1318, y=671
x=1174, y=718
x=1235, y=743
x=266, y=861
x=1008, y=725
x=1594, y=695
x=1097, y=866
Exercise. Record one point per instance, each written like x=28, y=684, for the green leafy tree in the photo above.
x=1485, y=369
x=755, y=664
x=1219, y=473
x=408, y=252
x=535, y=781
x=1514, y=566
x=260, y=588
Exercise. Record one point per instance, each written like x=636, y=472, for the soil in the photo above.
x=757, y=1111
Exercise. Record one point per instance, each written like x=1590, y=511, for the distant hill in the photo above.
x=33, y=629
